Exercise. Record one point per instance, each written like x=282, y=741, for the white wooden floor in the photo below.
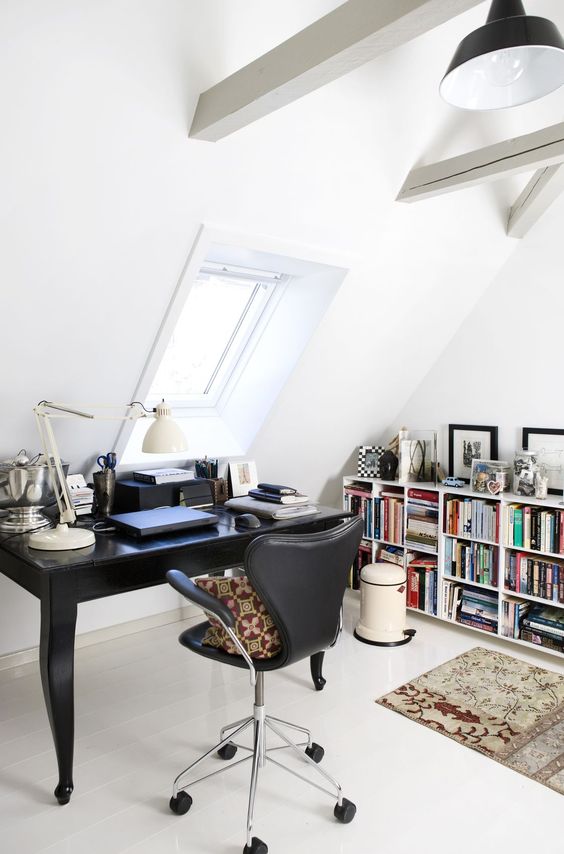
x=146, y=707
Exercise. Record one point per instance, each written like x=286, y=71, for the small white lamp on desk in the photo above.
x=164, y=436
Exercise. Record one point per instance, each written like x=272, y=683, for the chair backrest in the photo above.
x=301, y=579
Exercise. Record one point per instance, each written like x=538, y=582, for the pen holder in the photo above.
x=104, y=489
x=219, y=489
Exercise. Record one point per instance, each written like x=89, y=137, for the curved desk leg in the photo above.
x=56, y=659
x=316, y=665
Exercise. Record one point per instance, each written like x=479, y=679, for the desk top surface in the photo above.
x=119, y=547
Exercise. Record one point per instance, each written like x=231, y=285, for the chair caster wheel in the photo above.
x=257, y=847
x=315, y=752
x=181, y=803
x=346, y=812
x=228, y=751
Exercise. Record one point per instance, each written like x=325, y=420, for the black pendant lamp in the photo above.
x=514, y=58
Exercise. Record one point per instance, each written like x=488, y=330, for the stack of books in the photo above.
x=82, y=496
x=544, y=627
x=394, y=554
x=278, y=494
x=478, y=609
x=422, y=529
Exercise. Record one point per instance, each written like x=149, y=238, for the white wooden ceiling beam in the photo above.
x=541, y=191
x=523, y=154
x=349, y=36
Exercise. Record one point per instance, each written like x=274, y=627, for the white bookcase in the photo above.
x=373, y=488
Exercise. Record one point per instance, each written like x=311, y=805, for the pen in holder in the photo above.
x=104, y=489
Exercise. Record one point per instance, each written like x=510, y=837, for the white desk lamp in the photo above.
x=164, y=436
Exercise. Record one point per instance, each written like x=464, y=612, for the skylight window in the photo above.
x=219, y=321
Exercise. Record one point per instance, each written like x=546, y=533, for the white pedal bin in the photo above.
x=383, y=605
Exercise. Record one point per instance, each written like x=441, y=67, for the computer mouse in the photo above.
x=246, y=520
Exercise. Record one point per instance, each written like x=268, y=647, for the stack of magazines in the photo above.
x=273, y=501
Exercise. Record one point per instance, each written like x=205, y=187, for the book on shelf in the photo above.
x=543, y=639
x=452, y=597
x=426, y=495
x=422, y=585
x=157, y=476
x=360, y=504
x=513, y=613
x=479, y=607
x=544, y=626
x=475, y=518
x=527, y=574
x=535, y=528
x=277, y=498
x=394, y=554
x=471, y=561
x=388, y=518
x=476, y=623
x=549, y=619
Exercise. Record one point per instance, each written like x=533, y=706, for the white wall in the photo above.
x=504, y=364
x=102, y=195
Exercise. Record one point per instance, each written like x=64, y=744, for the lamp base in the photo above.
x=62, y=538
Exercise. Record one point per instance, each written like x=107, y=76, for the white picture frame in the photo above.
x=243, y=476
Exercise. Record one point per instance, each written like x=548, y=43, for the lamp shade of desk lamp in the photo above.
x=163, y=437
x=513, y=59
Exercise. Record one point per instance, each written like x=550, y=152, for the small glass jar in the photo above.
x=541, y=483
x=525, y=471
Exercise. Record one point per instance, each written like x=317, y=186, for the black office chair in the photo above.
x=301, y=580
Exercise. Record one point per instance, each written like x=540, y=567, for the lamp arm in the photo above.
x=136, y=410
x=53, y=459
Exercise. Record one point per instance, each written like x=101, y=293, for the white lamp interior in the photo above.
x=504, y=78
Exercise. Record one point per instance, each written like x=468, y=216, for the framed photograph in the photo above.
x=369, y=460
x=549, y=446
x=467, y=442
x=243, y=476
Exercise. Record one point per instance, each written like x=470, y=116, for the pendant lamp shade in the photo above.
x=164, y=436
x=513, y=59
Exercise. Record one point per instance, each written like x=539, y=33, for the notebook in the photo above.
x=163, y=520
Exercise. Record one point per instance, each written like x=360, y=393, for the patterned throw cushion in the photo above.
x=253, y=627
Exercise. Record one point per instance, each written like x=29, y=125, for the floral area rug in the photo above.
x=510, y=711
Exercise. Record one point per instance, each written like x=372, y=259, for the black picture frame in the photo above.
x=369, y=460
x=530, y=445
x=460, y=433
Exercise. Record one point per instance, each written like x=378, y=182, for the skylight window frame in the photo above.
x=235, y=355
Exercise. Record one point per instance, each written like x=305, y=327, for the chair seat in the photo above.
x=193, y=638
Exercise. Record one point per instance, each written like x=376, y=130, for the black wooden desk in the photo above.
x=118, y=564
